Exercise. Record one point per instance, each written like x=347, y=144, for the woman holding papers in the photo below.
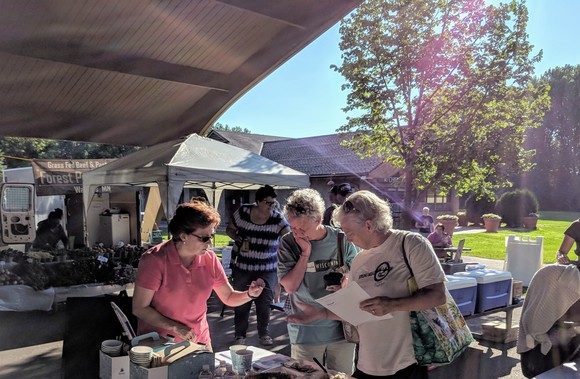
x=386, y=345
x=304, y=256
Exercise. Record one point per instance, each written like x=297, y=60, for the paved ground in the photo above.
x=31, y=343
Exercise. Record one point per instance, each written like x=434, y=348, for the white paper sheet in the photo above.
x=344, y=303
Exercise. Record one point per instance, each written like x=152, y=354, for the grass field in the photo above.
x=493, y=245
x=551, y=227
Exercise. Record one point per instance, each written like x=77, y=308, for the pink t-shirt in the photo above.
x=181, y=293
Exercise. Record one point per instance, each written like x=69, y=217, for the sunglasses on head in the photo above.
x=348, y=207
x=204, y=239
x=299, y=208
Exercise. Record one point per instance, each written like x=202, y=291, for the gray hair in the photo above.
x=367, y=207
x=305, y=203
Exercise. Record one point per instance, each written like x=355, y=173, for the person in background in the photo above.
x=425, y=224
x=571, y=235
x=176, y=278
x=386, y=345
x=327, y=217
x=50, y=232
x=439, y=238
x=337, y=195
x=305, y=255
x=256, y=229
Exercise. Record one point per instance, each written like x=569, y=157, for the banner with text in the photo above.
x=62, y=176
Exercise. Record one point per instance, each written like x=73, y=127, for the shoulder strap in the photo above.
x=405, y=255
x=340, y=246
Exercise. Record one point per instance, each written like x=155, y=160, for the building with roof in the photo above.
x=327, y=162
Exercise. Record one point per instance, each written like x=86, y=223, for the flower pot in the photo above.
x=462, y=220
x=491, y=225
x=530, y=222
x=449, y=226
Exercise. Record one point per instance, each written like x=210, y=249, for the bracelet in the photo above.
x=252, y=297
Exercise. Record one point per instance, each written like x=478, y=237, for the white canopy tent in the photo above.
x=192, y=162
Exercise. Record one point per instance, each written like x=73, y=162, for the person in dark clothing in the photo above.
x=50, y=232
x=337, y=195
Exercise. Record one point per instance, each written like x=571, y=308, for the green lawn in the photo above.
x=493, y=245
x=551, y=226
x=221, y=240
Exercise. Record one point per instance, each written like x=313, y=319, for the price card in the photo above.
x=102, y=259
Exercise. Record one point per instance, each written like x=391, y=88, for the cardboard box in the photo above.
x=186, y=367
x=496, y=331
x=113, y=367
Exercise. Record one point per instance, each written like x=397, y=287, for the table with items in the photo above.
x=37, y=280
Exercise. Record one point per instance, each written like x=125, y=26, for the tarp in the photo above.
x=192, y=162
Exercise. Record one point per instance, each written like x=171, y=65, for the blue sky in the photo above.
x=302, y=98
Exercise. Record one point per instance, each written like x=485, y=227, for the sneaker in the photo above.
x=240, y=340
x=266, y=340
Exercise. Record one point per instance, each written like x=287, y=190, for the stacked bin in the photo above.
x=494, y=288
x=463, y=289
x=524, y=257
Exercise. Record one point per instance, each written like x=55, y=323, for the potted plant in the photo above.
x=530, y=221
x=449, y=222
x=491, y=222
x=462, y=218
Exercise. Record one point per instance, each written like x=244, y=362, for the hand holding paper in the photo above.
x=341, y=304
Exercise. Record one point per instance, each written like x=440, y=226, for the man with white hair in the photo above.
x=425, y=225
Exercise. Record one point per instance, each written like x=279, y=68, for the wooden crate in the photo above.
x=496, y=331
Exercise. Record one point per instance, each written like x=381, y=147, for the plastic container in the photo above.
x=524, y=257
x=494, y=288
x=463, y=289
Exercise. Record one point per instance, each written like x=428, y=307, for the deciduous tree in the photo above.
x=555, y=177
x=441, y=89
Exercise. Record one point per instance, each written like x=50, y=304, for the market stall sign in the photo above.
x=63, y=176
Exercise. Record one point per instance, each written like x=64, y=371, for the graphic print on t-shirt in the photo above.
x=321, y=265
x=379, y=274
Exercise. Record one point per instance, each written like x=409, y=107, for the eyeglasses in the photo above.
x=348, y=207
x=204, y=239
x=269, y=203
x=299, y=208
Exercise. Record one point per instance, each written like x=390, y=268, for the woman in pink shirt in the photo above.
x=175, y=279
x=439, y=238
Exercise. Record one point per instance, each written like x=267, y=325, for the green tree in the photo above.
x=227, y=128
x=18, y=151
x=441, y=89
x=556, y=173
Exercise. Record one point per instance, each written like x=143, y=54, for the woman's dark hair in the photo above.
x=192, y=216
x=264, y=192
x=440, y=225
x=344, y=189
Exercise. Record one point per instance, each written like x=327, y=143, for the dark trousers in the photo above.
x=410, y=372
x=242, y=280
